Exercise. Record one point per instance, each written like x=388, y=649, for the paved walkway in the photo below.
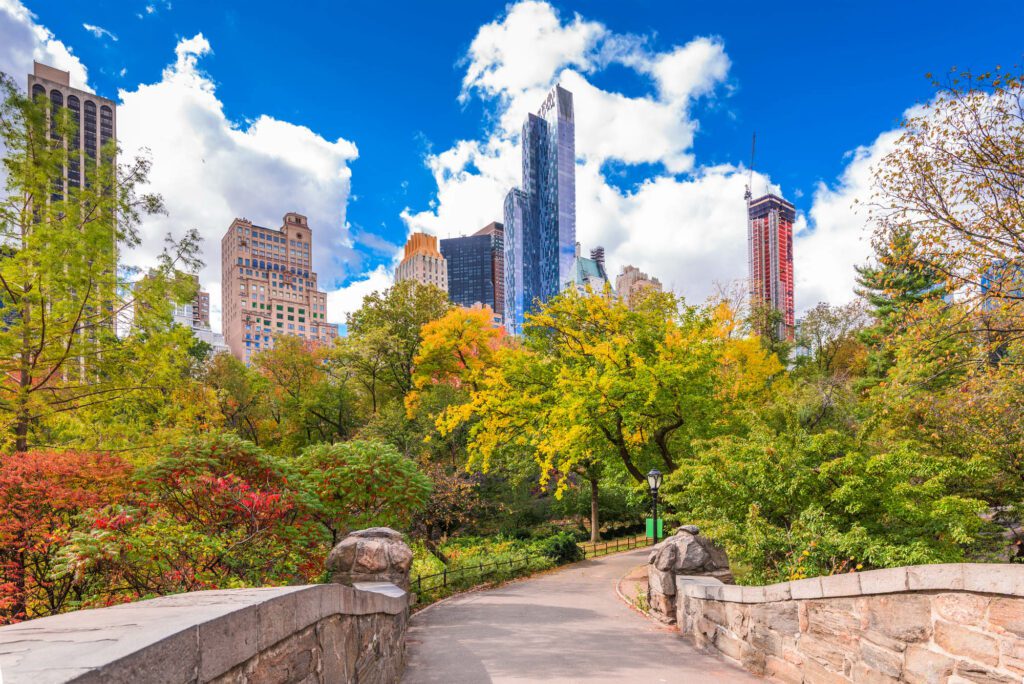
x=565, y=626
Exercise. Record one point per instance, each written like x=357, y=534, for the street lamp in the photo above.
x=654, y=482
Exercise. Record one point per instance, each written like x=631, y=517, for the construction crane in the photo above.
x=747, y=195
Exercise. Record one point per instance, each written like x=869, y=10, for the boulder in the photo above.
x=377, y=554
x=687, y=552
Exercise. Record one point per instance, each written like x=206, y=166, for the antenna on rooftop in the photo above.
x=747, y=195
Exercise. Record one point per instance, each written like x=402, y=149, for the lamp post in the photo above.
x=654, y=482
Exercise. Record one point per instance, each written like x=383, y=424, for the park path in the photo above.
x=564, y=626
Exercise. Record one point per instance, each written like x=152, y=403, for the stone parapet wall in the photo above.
x=319, y=633
x=955, y=623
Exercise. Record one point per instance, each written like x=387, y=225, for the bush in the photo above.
x=561, y=547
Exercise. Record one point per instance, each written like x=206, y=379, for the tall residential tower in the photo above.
x=540, y=217
x=770, y=252
x=268, y=289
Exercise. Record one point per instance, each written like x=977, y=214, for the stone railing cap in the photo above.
x=184, y=637
x=1006, y=579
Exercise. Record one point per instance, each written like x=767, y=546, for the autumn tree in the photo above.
x=385, y=333
x=955, y=183
x=42, y=495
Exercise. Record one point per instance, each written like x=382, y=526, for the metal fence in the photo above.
x=471, y=575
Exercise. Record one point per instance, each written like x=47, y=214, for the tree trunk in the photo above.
x=433, y=548
x=595, y=523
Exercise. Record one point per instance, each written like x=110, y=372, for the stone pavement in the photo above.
x=564, y=626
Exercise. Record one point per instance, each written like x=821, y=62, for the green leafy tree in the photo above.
x=362, y=484
x=64, y=298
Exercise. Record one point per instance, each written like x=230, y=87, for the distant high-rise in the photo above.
x=268, y=289
x=633, y=283
x=423, y=262
x=476, y=273
x=587, y=272
x=540, y=217
x=770, y=251
x=94, y=116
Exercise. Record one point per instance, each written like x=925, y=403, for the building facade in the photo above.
x=423, y=262
x=268, y=287
x=95, y=118
x=540, y=217
x=587, y=273
x=632, y=284
x=770, y=252
x=476, y=271
x=195, y=315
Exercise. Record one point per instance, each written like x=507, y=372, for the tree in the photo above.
x=241, y=395
x=454, y=501
x=62, y=292
x=893, y=287
x=212, y=512
x=42, y=495
x=387, y=328
x=362, y=484
x=954, y=183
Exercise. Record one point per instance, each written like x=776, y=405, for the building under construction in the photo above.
x=770, y=252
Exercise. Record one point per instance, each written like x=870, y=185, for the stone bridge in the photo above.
x=941, y=623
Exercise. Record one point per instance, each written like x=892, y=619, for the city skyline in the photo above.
x=665, y=168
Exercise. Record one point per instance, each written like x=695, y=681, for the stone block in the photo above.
x=882, y=660
x=806, y=588
x=661, y=581
x=172, y=659
x=227, y=641
x=994, y=578
x=291, y=660
x=922, y=665
x=904, y=617
x=753, y=594
x=837, y=619
x=962, y=641
x=729, y=645
x=979, y=674
x=1007, y=615
x=886, y=581
x=276, y=619
x=862, y=674
x=714, y=611
x=936, y=577
x=825, y=649
x=961, y=607
x=782, y=670
x=846, y=584
x=1011, y=650
x=883, y=641
x=736, y=618
x=816, y=673
x=338, y=638
x=780, y=617
x=777, y=592
x=731, y=592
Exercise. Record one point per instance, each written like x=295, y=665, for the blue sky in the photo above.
x=387, y=94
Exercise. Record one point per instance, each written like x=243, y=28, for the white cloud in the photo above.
x=24, y=41
x=344, y=301
x=826, y=256
x=211, y=169
x=686, y=223
x=99, y=31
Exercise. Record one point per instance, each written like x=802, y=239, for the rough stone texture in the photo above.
x=376, y=554
x=279, y=635
x=961, y=625
x=688, y=553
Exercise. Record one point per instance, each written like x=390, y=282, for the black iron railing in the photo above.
x=467, y=576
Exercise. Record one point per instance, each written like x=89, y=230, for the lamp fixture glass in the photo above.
x=654, y=480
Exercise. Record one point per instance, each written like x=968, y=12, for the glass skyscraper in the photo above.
x=475, y=271
x=540, y=217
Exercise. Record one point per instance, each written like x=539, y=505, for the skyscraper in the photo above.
x=770, y=251
x=267, y=288
x=476, y=271
x=632, y=283
x=540, y=217
x=423, y=262
x=95, y=117
x=587, y=273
